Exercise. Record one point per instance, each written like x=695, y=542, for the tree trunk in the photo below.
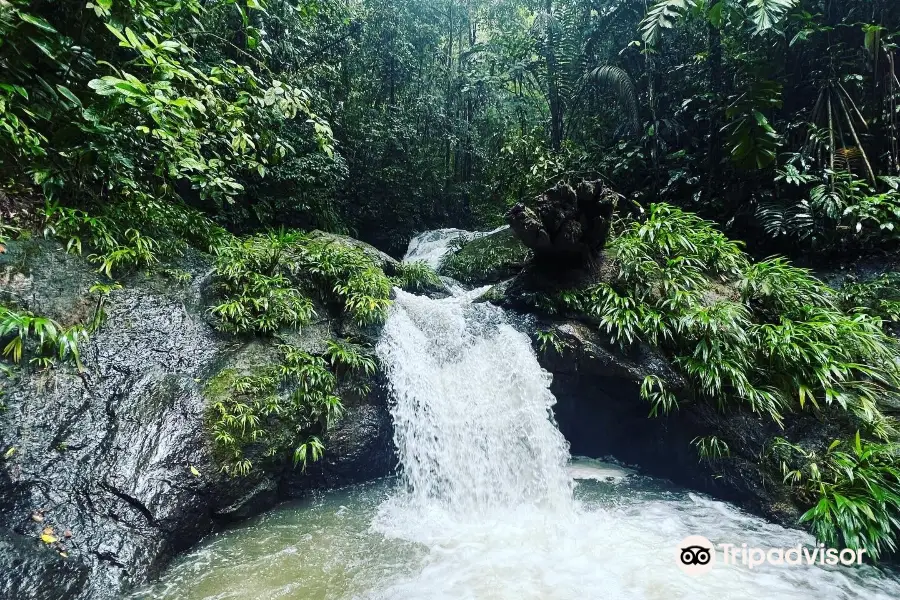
x=714, y=149
x=552, y=83
x=448, y=99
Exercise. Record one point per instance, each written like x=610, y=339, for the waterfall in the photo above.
x=484, y=507
x=472, y=409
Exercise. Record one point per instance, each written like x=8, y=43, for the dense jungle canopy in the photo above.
x=775, y=118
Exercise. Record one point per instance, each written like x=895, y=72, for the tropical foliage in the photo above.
x=854, y=489
x=22, y=331
x=270, y=413
x=133, y=129
x=765, y=337
x=273, y=410
x=267, y=281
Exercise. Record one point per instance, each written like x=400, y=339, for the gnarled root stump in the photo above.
x=567, y=224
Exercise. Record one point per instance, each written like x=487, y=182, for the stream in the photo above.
x=488, y=504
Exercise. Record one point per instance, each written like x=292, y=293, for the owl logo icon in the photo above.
x=695, y=555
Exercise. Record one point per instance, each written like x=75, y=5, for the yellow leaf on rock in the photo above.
x=48, y=539
x=194, y=471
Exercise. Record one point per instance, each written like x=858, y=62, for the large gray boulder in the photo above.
x=387, y=263
x=109, y=457
x=487, y=258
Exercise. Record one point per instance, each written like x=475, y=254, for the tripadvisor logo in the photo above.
x=696, y=555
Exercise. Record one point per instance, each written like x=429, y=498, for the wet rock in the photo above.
x=28, y=570
x=355, y=448
x=313, y=336
x=119, y=455
x=601, y=413
x=260, y=497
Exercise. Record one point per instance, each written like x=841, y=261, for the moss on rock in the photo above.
x=487, y=259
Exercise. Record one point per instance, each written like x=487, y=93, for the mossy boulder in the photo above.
x=386, y=262
x=121, y=454
x=487, y=259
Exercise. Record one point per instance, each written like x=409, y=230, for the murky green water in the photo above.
x=342, y=545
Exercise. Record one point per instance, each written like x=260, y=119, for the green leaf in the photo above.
x=118, y=33
x=43, y=46
x=133, y=39
x=130, y=89
x=715, y=14
x=68, y=94
x=38, y=22
x=664, y=14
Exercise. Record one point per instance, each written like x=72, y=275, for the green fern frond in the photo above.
x=766, y=14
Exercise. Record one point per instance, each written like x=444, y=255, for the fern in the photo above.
x=752, y=140
x=665, y=14
x=50, y=338
x=268, y=411
x=853, y=488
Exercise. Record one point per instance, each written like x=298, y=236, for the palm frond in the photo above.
x=622, y=86
x=766, y=14
x=664, y=14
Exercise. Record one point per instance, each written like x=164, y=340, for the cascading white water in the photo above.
x=487, y=491
x=471, y=409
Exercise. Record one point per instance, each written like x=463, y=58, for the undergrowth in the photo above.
x=281, y=410
x=131, y=234
x=879, y=297
x=42, y=337
x=267, y=281
x=765, y=336
x=255, y=279
x=484, y=259
x=417, y=276
x=347, y=274
x=854, y=490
